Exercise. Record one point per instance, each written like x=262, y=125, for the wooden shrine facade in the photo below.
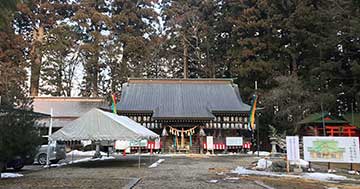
x=212, y=106
x=223, y=121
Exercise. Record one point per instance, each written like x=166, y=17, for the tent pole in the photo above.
x=49, y=139
x=72, y=151
x=139, y=151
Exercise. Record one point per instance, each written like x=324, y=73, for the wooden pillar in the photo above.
x=163, y=143
x=201, y=141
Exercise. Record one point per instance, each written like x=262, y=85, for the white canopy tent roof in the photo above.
x=98, y=125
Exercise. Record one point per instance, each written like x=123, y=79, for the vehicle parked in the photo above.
x=57, y=153
x=18, y=162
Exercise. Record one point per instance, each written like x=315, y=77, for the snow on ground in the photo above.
x=82, y=160
x=10, y=175
x=301, y=162
x=85, y=153
x=263, y=164
x=323, y=176
x=243, y=171
x=157, y=163
x=314, y=176
x=261, y=153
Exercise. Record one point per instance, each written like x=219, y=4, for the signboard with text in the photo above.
x=292, y=148
x=210, y=142
x=234, y=141
x=332, y=149
x=135, y=143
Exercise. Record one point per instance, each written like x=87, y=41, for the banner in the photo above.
x=121, y=144
x=234, y=141
x=157, y=143
x=332, y=149
x=292, y=148
x=143, y=143
x=210, y=142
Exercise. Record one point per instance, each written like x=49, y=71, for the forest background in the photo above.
x=304, y=54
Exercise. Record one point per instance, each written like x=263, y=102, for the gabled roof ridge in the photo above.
x=181, y=80
x=68, y=99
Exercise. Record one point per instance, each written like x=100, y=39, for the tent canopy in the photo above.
x=99, y=125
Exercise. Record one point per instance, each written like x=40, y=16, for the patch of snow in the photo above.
x=353, y=172
x=213, y=181
x=263, y=164
x=92, y=159
x=301, y=162
x=81, y=161
x=172, y=155
x=243, y=171
x=85, y=153
x=323, y=176
x=11, y=175
x=232, y=178
x=157, y=163
x=313, y=176
x=311, y=170
x=261, y=153
x=331, y=171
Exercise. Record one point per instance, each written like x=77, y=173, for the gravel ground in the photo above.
x=175, y=172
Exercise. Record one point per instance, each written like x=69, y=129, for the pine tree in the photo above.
x=190, y=34
x=33, y=21
x=12, y=62
x=18, y=137
x=91, y=20
x=61, y=60
x=249, y=54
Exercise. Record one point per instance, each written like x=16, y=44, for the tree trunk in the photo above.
x=35, y=53
x=293, y=64
x=185, y=58
x=95, y=82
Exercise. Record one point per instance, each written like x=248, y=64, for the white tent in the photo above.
x=98, y=125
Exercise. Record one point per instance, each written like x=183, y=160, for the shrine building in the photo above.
x=184, y=111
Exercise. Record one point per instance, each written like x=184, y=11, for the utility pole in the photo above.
x=322, y=118
x=352, y=112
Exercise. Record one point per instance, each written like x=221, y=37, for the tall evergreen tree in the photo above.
x=61, y=59
x=18, y=137
x=33, y=21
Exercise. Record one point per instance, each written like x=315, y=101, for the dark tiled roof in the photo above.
x=66, y=106
x=181, y=98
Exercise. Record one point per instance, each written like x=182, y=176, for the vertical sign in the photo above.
x=292, y=148
x=209, y=142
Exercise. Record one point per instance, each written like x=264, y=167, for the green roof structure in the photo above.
x=353, y=119
x=317, y=118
